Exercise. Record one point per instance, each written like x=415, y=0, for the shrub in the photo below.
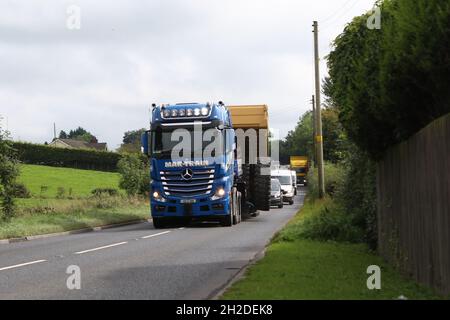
x=21, y=191
x=105, y=191
x=322, y=220
x=334, y=174
x=357, y=194
x=331, y=224
x=8, y=173
x=43, y=189
x=60, y=193
x=135, y=174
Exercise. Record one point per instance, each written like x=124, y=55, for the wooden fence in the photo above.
x=413, y=183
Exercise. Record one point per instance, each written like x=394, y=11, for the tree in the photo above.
x=300, y=140
x=8, y=173
x=62, y=135
x=135, y=175
x=132, y=141
x=81, y=134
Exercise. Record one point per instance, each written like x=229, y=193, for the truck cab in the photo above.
x=192, y=164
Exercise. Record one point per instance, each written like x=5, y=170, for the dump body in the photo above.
x=300, y=165
x=251, y=123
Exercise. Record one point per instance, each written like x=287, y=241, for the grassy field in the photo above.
x=76, y=209
x=298, y=269
x=44, y=181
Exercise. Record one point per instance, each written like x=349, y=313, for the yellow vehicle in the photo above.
x=251, y=124
x=300, y=164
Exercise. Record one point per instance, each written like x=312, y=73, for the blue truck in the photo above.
x=196, y=172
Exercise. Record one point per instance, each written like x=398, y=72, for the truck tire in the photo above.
x=261, y=187
x=247, y=178
x=159, y=223
x=227, y=221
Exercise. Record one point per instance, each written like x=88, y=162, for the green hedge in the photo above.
x=70, y=158
x=390, y=83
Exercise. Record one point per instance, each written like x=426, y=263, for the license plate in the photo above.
x=188, y=201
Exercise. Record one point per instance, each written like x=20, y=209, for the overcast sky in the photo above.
x=129, y=54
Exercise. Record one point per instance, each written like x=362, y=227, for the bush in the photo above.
x=21, y=191
x=8, y=173
x=105, y=191
x=332, y=225
x=334, y=175
x=352, y=186
x=322, y=220
x=70, y=158
x=60, y=193
x=135, y=175
x=358, y=196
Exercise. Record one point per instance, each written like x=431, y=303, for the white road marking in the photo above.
x=182, y=228
x=155, y=235
x=22, y=265
x=101, y=248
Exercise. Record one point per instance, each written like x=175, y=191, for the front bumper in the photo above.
x=201, y=208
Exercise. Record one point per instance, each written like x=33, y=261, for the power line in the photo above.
x=331, y=17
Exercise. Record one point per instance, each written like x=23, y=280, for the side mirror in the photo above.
x=284, y=191
x=145, y=142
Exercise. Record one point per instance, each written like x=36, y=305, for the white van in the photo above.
x=287, y=184
x=294, y=181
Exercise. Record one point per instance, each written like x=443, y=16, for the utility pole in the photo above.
x=54, y=130
x=319, y=136
x=314, y=130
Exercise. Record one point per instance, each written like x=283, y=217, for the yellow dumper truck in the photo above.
x=251, y=124
x=300, y=164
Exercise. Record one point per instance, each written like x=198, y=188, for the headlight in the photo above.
x=166, y=113
x=196, y=112
x=220, y=193
x=205, y=111
x=182, y=113
x=158, y=197
x=174, y=113
x=189, y=112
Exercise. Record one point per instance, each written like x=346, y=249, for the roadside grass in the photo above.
x=66, y=215
x=296, y=268
x=76, y=208
x=43, y=181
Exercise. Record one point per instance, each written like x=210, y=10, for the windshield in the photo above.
x=275, y=185
x=181, y=142
x=284, y=180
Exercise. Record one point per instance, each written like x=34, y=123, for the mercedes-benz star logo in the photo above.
x=187, y=174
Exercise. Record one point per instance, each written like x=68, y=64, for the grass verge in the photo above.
x=50, y=216
x=296, y=268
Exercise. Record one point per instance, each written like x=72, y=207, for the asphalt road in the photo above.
x=137, y=261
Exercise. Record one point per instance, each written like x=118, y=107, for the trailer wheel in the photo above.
x=238, y=209
x=261, y=187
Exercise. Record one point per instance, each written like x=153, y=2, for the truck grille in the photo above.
x=201, y=182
